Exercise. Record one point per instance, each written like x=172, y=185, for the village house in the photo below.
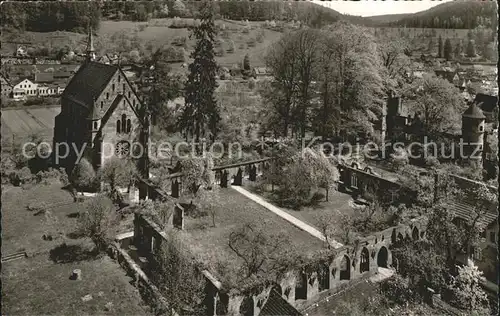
x=25, y=88
x=99, y=110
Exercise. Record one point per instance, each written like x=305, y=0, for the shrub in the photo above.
x=399, y=290
x=179, y=41
x=21, y=177
x=251, y=42
x=83, y=175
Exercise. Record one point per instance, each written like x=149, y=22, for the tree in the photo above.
x=489, y=52
x=117, y=173
x=448, y=50
x=440, y=47
x=427, y=97
x=471, y=49
x=166, y=86
x=458, y=50
x=197, y=173
x=201, y=114
x=357, y=85
x=261, y=251
x=395, y=59
x=98, y=220
x=179, y=8
x=467, y=291
x=210, y=201
x=159, y=211
x=422, y=264
x=246, y=66
x=83, y=175
x=301, y=177
x=178, y=278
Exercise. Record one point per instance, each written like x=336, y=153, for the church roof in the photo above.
x=277, y=305
x=88, y=83
x=474, y=112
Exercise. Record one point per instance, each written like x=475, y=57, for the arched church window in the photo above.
x=118, y=126
x=129, y=125
x=124, y=123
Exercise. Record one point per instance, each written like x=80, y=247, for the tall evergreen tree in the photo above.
x=471, y=49
x=448, y=49
x=201, y=114
x=440, y=47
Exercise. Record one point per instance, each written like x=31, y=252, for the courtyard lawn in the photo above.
x=38, y=286
x=338, y=204
x=210, y=243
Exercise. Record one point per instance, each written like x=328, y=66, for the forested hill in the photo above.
x=459, y=14
x=75, y=16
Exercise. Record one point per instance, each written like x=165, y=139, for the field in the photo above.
x=28, y=121
x=40, y=284
x=157, y=33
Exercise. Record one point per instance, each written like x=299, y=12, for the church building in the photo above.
x=102, y=115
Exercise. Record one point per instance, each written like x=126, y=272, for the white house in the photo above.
x=24, y=89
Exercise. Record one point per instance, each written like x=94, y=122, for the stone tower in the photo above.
x=473, y=121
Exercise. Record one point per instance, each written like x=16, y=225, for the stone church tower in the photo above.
x=101, y=115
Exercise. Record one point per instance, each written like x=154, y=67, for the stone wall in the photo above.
x=308, y=285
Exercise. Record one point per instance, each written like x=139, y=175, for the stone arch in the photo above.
x=355, y=165
x=345, y=268
x=414, y=234
x=277, y=288
x=369, y=170
x=382, y=257
x=301, y=286
x=247, y=306
x=364, y=260
x=323, y=276
x=400, y=237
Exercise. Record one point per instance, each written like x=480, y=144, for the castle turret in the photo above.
x=473, y=121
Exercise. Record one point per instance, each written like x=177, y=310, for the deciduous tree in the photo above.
x=98, y=220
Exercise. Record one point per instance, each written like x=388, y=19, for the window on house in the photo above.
x=95, y=125
x=107, y=95
x=119, y=78
x=153, y=245
x=129, y=94
x=133, y=102
x=492, y=237
x=476, y=253
x=129, y=125
x=102, y=104
x=123, y=88
x=118, y=126
x=481, y=127
x=113, y=87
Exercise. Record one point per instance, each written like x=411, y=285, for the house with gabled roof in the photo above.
x=99, y=115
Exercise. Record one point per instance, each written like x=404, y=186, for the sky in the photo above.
x=373, y=7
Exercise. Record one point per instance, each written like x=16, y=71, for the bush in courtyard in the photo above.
x=98, y=220
x=83, y=175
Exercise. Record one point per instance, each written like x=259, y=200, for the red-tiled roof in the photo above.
x=278, y=306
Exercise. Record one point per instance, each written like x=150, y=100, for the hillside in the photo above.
x=387, y=18
x=460, y=14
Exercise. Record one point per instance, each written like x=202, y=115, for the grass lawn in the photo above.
x=37, y=286
x=211, y=243
x=22, y=230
